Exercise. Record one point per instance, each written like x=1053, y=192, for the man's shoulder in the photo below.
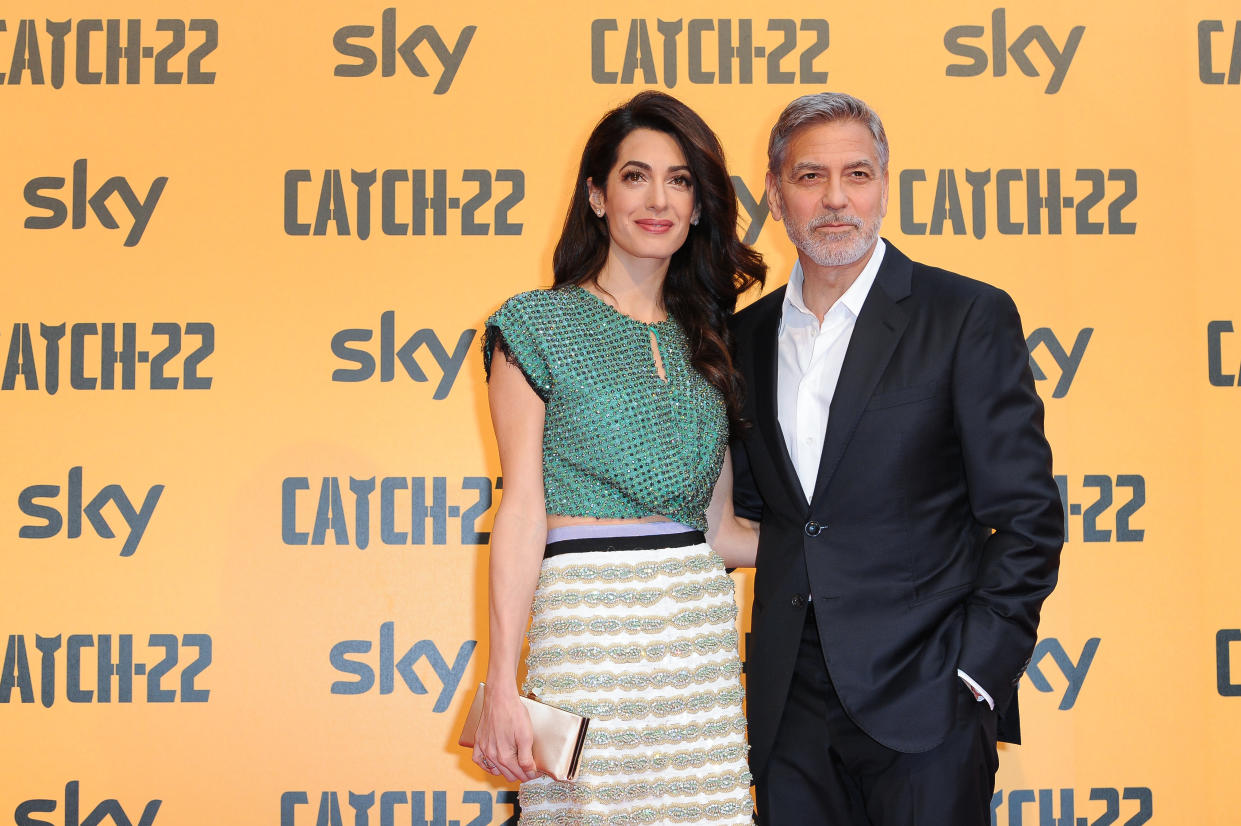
x=936, y=283
x=745, y=320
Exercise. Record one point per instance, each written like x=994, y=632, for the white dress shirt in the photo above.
x=810, y=357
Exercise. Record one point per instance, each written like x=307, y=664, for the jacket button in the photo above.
x=814, y=528
x=798, y=600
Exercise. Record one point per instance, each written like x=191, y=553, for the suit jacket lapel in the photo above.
x=766, y=370
x=878, y=329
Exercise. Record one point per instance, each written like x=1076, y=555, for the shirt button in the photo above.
x=814, y=528
x=798, y=600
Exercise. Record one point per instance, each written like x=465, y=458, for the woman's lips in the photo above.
x=651, y=225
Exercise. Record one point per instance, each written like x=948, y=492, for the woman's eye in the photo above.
x=633, y=175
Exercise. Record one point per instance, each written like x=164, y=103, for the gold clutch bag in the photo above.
x=558, y=735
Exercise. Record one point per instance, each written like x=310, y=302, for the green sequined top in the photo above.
x=618, y=441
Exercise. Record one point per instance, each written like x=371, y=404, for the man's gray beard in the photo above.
x=826, y=253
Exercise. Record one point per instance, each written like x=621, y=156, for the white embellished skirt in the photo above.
x=642, y=639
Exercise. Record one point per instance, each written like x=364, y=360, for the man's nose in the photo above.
x=834, y=195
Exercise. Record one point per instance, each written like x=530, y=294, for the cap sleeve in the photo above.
x=515, y=329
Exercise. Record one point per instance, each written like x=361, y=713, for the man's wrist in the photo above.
x=980, y=693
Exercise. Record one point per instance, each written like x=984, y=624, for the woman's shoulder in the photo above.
x=533, y=306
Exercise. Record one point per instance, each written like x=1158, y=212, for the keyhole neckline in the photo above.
x=668, y=319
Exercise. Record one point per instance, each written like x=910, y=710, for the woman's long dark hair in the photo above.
x=711, y=268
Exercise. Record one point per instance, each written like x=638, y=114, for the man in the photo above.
x=911, y=526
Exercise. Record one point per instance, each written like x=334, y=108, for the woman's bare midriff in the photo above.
x=557, y=521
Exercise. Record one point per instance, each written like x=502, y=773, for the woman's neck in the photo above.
x=635, y=287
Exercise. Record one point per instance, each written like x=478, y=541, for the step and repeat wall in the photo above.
x=248, y=472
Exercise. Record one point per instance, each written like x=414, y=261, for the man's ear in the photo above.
x=773, y=197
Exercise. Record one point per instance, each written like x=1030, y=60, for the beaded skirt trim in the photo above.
x=606, y=568
x=678, y=678
x=640, y=624
x=643, y=597
x=723, y=812
x=619, y=737
x=644, y=642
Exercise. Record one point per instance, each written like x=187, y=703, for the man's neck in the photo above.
x=823, y=286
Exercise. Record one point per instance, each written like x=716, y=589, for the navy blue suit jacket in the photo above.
x=934, y=531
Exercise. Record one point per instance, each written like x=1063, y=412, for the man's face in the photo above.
x=830, y=192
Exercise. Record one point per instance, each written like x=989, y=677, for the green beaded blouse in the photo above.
x=619, y=442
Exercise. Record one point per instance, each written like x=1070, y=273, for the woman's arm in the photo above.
x=730, y=536
x=517, y=541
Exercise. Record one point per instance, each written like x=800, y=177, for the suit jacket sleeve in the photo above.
x=747, y=503
x=999, y=419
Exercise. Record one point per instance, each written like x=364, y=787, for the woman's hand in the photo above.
x=505, y=739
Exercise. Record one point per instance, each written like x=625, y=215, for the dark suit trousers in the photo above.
x=825, y=770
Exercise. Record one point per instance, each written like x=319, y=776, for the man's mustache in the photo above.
x=835, y=218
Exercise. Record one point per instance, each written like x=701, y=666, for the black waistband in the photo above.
x=624, y=543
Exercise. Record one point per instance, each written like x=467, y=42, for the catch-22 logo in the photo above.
x=410, y=202
x=105, y=346
x=1225, y=638
x=402, y=509
x=161, y=686
x=1098, y=522
x=110, y=808
x=1216, y=372
x=970, y=42
x=108, y=51
x=421, y=52
x=1011, y=201
x=708, y=51
x=1065, y=807
x=1207, y=62
x=1015, y=201
x=390, y=807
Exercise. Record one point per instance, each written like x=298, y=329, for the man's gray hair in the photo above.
x=823, y=107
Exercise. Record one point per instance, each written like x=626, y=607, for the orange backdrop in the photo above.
x=248, y=473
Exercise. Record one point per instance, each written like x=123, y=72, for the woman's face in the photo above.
x=648, y=199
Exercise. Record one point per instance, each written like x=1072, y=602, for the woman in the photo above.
x=611, y=395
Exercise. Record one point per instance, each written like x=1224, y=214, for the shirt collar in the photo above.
x=795, y=310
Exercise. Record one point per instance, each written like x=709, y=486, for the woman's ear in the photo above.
x=595, y=197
